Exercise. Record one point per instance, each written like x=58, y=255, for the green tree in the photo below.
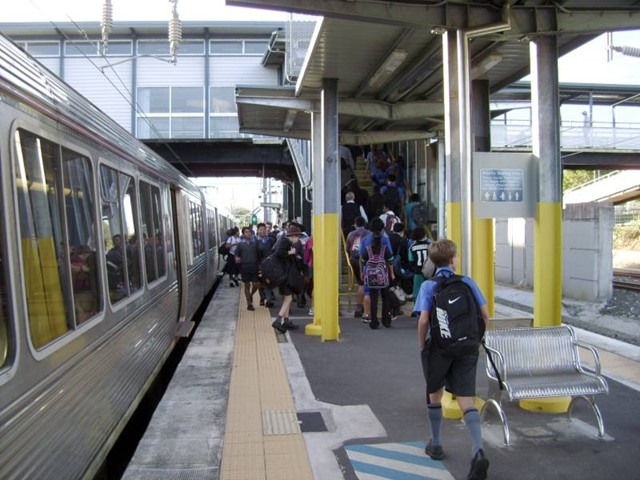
x=241, y=214
x=574, y=178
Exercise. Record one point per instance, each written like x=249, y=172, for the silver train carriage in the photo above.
x=105, y=251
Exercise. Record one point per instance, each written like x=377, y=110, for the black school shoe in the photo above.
x=289, y=325
x=373, y=325
x=434, y=451
x=479, y=466
x=277, y=324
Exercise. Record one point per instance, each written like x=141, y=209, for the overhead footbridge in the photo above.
x=616, y=187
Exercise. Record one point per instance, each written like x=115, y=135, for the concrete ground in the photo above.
x=380, y=370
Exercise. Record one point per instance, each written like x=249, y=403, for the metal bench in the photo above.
x=540, y=363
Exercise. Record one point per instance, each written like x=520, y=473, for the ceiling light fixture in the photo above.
x=390, y=65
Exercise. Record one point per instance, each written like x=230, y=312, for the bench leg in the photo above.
x=503, y=418
x=594, y=407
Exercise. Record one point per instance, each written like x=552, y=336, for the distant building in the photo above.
x=194, y=99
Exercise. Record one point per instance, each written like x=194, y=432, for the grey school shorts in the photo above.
x=458, y=374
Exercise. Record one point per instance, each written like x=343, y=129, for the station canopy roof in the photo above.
x=387, y=57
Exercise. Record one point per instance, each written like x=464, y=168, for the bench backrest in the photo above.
x=535, y=351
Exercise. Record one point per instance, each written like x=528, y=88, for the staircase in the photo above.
x=348, y=284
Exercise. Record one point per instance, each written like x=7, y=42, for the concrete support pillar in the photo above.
x=442, y=186
x=547, y=281
x=317, y=178
x=483, y=232
x=453, y=195
x=329, y=220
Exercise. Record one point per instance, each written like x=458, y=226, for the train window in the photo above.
x=197, y=233
x=211, y=225
x=154, y=247
x=120, y=227
x=55, y=202
x=79, y=204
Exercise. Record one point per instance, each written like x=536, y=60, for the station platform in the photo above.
x=248, y=403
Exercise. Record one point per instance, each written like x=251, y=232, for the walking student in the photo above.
x=441, y=364
x=378, y=275
x=285, y=249
x=265, y=243
x=247, y=258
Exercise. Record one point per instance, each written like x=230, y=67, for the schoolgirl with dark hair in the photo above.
x=374, y=250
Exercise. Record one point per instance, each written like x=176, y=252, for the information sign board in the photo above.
x=504, y=185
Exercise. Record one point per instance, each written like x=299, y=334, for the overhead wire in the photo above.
x=129, y=95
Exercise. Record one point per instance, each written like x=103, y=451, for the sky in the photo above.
x=137, y=10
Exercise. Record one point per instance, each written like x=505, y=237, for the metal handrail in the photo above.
x=348, y=260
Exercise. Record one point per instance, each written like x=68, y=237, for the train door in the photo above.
x=179, y=211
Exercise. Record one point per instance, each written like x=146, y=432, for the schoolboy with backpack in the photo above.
x=453, y=316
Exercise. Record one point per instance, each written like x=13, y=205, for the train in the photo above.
x=106, y=253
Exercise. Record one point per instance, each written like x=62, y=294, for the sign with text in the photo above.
x=501, y=185
x=271, y=205
x=504, y=185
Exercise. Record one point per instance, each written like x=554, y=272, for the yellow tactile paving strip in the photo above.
x=259, y=392
x=615, y=365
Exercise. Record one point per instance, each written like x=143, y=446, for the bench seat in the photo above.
x=560, y=385
x=540, y=363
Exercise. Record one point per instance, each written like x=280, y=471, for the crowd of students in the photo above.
x=246, y=249
x=388, y=243
x=387, y=237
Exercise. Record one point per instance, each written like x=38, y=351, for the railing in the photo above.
x=573, y=135
x=616, y=186
x=301, y=157
x=625, y=214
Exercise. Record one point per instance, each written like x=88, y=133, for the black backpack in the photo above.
x=350, y=211
x=391, y=197
x=420, y=214
x=456, y=325
x=273, y=270
x=223, y=250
